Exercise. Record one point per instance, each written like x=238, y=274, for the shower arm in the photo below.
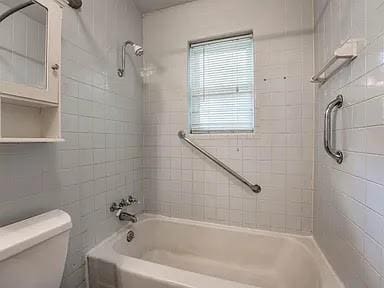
x=75, y=4
x=139, y=51
x=121, y=71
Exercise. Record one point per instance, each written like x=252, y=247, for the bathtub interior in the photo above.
x=249, y=258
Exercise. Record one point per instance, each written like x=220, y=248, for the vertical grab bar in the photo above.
x=335, y=154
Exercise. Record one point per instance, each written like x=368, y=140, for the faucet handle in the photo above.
x=132, y=200
x=128, y=202
x=123, y=203
x=116, y=208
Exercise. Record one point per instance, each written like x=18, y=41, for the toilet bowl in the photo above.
x=33, y=251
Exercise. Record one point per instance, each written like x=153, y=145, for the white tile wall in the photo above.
x=349, y=198
x=279, y=156
x=101, y=160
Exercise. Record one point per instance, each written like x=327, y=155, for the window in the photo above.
x=221, y=85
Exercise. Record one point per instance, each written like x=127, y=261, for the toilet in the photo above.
x=33, y=251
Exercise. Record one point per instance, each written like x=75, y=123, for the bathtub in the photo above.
x=168, y=252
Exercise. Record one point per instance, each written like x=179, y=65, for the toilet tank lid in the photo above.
x=22, y=235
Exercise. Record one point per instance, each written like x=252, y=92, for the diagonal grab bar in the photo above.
x=254, y=187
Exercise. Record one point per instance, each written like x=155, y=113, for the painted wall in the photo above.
x=349, y=198
x=279, y=155
x=101, y=160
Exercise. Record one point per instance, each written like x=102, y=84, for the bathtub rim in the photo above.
x=105, y=250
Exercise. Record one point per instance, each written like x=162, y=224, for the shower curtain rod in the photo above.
x=76, y=4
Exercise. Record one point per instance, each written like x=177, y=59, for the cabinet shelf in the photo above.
x=31, y=140
x=24, y=101
x=29, y=124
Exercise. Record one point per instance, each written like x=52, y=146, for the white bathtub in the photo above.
x=168, y=252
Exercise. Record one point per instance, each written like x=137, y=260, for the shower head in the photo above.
x=75, y=4
x=139, y=51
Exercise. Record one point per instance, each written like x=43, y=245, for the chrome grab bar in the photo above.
x=254, y=187
x=335, y=154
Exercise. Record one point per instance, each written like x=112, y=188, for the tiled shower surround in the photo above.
x=101, y=158
x=278, y=156
x=123, y=140
x=349, y=198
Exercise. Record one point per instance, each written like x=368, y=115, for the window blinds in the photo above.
x=221, y=85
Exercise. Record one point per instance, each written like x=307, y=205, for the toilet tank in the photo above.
x=33, y=251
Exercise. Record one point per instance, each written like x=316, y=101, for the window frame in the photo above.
x=222, y=38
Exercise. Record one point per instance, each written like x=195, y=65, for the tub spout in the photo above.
x=124, y=216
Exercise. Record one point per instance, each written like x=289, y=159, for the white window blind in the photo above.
x=221, y=85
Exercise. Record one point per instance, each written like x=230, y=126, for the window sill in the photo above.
x=251, y=135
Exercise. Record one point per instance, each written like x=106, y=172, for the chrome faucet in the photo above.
x=124, y=216
x=118, y=208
